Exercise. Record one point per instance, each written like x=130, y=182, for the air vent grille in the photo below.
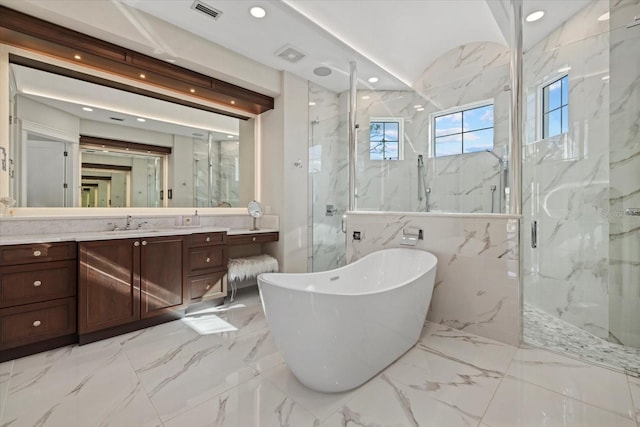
x=117, y=119
x=205, y=8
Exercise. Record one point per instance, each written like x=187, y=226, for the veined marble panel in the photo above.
x=476, y=286
x=328, y=178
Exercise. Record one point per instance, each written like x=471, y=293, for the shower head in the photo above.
x=315, y=122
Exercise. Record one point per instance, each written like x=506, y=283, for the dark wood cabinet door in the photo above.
x=108, y=284
x=163, y=284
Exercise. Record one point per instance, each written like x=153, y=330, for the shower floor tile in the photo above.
x=541, y=329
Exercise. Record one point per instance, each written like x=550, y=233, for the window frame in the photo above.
x=400, y=121
x=540, y=113
x=453, y=110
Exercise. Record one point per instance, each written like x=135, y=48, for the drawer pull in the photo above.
x=208, y=287
x=144, y=243
x=37, y=323
x=136, y=243
x=37, y=283
x=208, y=239
x=37, y=253
x=208, y=259
x=254, y=239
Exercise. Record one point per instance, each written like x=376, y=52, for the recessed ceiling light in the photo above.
x=564, y=69
x=229, y=136
x=420, y=109
x=604, y=17
x=140, y=119
x=170, y=60
x=257, y=12
x=373, y=80
x=311, y=103
x=366, y=97
x=192, y=90
x=417, y=106
x=534, y=16
x=322, y=71
x=233, y=102
x=142, y=76
x=87, y=108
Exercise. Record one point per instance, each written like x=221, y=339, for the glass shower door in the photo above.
x=624, y=164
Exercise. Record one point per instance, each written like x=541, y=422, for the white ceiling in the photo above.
x=395, y=40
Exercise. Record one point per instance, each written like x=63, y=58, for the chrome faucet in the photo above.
x=129, y=219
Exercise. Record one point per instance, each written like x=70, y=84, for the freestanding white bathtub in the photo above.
x=339, y=328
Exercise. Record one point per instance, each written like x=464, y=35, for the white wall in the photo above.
x=45, y=115
x=283, y=184
x=125, y=133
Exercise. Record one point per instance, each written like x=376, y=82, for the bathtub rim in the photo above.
x=430, y=257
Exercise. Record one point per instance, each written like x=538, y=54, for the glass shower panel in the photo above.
x=624, y=163
x=328, y=177
x=581, y=183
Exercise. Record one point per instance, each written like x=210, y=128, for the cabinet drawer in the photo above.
x=37, y=252
x=210, y=286
x=37, y=322
x=24, y=284
x=207, y=258
x=246, y=239
x=206, y=239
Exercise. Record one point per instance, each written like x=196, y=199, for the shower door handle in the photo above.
x=344, y=224
x=534, y=234
x=632, y=211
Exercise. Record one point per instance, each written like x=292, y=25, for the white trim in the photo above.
x=400, y=121
x=456, y=109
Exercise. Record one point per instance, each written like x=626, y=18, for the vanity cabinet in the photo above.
x=37, y=297
x=124, y=281
x=206, y=262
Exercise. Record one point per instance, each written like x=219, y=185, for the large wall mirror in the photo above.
x=80, y=144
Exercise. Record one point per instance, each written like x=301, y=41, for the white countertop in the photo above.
x=120, y=234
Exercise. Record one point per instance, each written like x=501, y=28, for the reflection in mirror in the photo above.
x=190, y=157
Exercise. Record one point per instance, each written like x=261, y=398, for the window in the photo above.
x=466, y=130
x=385, y=138
x=555, y=107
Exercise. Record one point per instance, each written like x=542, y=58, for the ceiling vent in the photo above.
x=117, y=119
x=206, y=9
x=290, y=53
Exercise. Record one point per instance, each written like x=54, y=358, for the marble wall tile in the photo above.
x=328, y=178
x=476, y=286
x=624, y=236
x=462, y=183
x=566, y=178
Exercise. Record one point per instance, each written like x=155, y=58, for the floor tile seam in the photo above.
x=495, y=391
x=6, y=395
x=461, y=360
x=620, y=414
x=571, y=356
x=636, y=409
x=143, y=388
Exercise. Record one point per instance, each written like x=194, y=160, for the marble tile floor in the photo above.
x=220, y=367
x=541, y=329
